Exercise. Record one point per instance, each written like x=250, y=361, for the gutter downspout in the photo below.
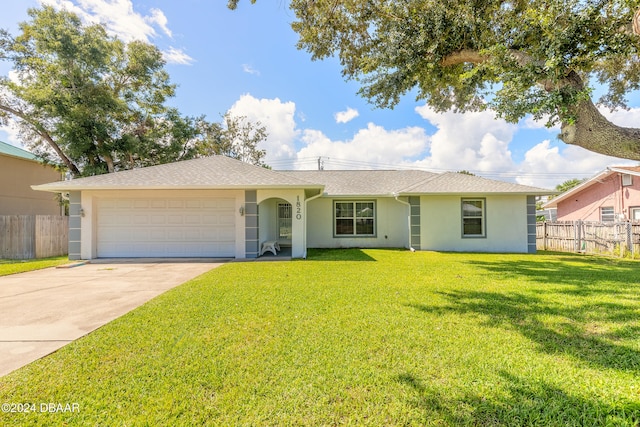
x=396, y=195
x=306, y=206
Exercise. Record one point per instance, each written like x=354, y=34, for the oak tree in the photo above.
x=516, y=57
x=99, y=104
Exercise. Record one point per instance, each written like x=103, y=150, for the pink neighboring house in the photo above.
x=611, y=195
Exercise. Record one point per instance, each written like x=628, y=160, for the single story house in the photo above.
x=19, y=170
x=611, y=195
x=221, y=207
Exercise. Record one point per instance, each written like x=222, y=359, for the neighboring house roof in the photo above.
x=363, y=182
x=631, y=170
x=215, y=172
x=220, y=172
x=10, y=150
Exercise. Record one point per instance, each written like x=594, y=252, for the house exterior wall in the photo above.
x=506, y=224
x=607, y=192
x=16, y=196
x=392, y=226
x=88, y=200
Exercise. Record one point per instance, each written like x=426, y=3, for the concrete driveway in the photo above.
x=42, y=311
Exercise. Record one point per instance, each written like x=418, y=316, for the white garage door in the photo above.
x=172, y=227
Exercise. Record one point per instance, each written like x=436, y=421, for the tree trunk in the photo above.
x=107, y=156
x=109, y=160
x=72, y=167
x=592, y=131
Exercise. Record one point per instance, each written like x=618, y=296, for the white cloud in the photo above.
x=547, y=166
x=628, y=118
x=176, y=56
x=370, y=146
x=250, y=70
x=158, y=17
x=346, y=116
x=277, y=117
x=471, y=141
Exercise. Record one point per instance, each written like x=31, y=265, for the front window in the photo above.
x=355, y=218
x=635, y=214
x=473, y=218
x=607, y=214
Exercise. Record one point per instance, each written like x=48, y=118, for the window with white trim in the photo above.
x=473, y=218
x=627, y=180
x=354, y=218
x=607, y=214
x=635, y=213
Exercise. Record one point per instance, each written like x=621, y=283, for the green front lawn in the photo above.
x=11, y=266
x=371, y=337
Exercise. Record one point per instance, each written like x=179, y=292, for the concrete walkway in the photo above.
x=42, y=311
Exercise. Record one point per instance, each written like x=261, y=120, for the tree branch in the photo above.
x=589, y=129
x=45, y=135
x=462, y=56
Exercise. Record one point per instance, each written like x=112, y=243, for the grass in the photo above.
x=10, y=266
x=361, y=337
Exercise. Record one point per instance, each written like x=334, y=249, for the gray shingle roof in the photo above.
x=220, y=172
x=215, y=172
x=363, y=182
x=459, y=183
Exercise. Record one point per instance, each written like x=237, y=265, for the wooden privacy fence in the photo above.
x=616, y=239
x=33, y=236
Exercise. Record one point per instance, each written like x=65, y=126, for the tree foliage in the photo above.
x=100, y=104
x=517, y=57
x=569, y=184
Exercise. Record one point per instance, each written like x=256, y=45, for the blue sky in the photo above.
x=246, y=62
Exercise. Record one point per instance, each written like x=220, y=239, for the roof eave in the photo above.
x=58, y=188
x=624, y=171
x=479, y=193
x=357, y=196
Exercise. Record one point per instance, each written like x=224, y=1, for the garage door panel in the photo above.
x=124, y=204
x=140, y=219
x=192, y=219
x=175, y=219
x=193, y=227
x=226, y=234
x=227, y=219
x=157, y=219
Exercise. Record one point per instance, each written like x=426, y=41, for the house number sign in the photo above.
x=298, y=208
